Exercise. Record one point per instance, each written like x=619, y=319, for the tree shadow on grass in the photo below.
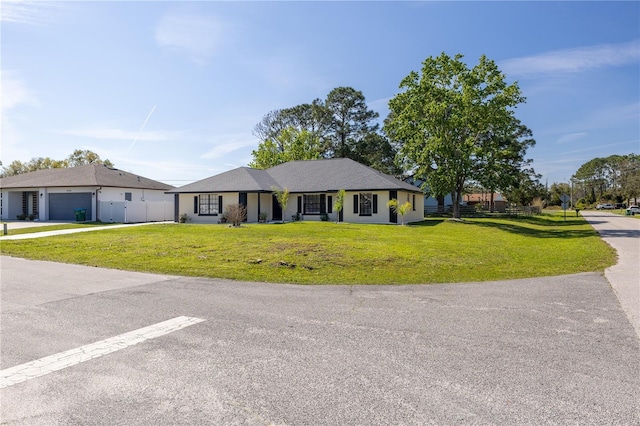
x=429, y=222
x=540, y=233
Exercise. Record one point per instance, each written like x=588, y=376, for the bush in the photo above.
x=235, y=214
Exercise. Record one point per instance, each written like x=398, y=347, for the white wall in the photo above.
x=186, y=206
x=146, y=205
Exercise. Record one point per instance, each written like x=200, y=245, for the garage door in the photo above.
x=62, y=206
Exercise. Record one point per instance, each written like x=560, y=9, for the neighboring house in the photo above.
x=483, y=200
x=312, y=186
x=106, y=194
x=433, y=204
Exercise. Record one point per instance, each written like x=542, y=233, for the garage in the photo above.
x=62, y=206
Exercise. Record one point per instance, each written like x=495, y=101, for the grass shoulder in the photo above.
x=432, y=251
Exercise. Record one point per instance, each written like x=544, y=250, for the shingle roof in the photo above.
x=242, y=179
x=87, y=175
x=328, y=175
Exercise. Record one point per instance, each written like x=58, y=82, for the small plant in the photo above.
x=32, y=217
x=262, y=217
x=324, y=217
x=283, y=198
x=295, y=217
x=183, y=218
x=339, y=204
x=21, y=216
x=235, y=214
x=398, y=208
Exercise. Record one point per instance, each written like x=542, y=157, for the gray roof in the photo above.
x=328, y=175
x=242, y=179
x=87, y=175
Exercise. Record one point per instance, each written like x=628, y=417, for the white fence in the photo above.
x=135, y=211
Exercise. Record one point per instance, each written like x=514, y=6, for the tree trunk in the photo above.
x=491, y=202
x=455, y=198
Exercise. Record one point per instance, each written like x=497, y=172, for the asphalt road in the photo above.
x=556, y=350
x=623, y=234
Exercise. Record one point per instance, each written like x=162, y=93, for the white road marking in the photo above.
x=40, y=367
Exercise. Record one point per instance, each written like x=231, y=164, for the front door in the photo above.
x=393, y=215
x=276, y=212
x=242, y=200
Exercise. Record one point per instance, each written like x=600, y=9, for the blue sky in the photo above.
x=172, y=90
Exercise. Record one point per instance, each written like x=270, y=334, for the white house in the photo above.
x=105, y=194
x=312, y=185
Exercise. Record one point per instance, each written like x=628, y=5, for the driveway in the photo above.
x=623, y=234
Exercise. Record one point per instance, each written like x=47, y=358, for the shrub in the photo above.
x=235, y=214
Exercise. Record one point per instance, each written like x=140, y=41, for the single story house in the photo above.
x=105, y=194
x=312, y=185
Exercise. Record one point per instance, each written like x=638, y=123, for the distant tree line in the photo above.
x=77, y=158
x=614, y=179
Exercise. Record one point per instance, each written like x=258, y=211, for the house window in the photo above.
x=208, y=204
x=366, y=204
x=314, y=204
x=127, y=196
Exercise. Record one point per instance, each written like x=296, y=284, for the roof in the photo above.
x=328, y=175
x=88, y=175
x=480, y=197
x=242, y=179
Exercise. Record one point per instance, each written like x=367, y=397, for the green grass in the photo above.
x=434, y=251
x=45, y=228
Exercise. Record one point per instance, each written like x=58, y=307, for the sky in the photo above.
x=172, y=90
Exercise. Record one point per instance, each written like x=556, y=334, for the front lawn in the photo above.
x=433, y=251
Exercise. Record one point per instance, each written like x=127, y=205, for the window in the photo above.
x=366, y=204
x=208, y=204
x=314, y=204
x=127, y=196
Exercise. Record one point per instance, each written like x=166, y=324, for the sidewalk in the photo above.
x=67, y=231
x=623, y=234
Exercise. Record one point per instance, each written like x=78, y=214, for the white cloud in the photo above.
x=15, y=92
x=571, y=137
x=197, y=36
x=575, y=60
x=119, y=134
x=28, y=12
x=231, y=143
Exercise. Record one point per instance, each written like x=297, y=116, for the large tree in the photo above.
x=502, y=157
x=443, y=117
x=289, y=145
x=77, y=158
x=351, y=121
x=313, y=118
x=342, y=124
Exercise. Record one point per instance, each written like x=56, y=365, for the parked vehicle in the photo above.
x=631, y=210
x=604, y=207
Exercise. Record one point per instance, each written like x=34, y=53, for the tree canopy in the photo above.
x=289, y=145
x=455, y=125
x=615, y=178
x=77, y=158
x=341, y=126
